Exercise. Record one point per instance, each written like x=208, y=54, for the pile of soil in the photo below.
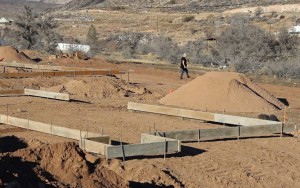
x=100, y=88
x=58, y=165
x=8, y=53
x=90, y=89
x=218, y=91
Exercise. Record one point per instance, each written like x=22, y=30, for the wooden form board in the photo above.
x=47, y=94
x=44, y=67
x=150, y=145
x=51, y=129
x=96, y=143
x=192, y=114
x=61, y=73
x=37, y=93
x=131, y=150
x=7, y=92
x=227, y=132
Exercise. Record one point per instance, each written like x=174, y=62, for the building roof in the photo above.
x=4, y=20
x=294, y=29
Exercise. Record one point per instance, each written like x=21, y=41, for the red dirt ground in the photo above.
x=255, y=162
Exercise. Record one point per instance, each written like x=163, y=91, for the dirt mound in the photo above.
x=8, y=53
x=68, y=164
x=218, y=91
x=100, y=88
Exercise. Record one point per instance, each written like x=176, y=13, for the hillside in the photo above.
x=11, y=8
x=40, y=1
x=170, y=5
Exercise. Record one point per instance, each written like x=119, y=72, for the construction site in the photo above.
x=94, y=123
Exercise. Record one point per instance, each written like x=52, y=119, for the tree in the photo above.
x=288, y=43
x=92, y=37
x=27, y=26
x=37, y=31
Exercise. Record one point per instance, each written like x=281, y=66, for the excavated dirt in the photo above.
x=38, y=159
x=8, y=53
x=88, y=89
x=61, y=164
x=218, y=91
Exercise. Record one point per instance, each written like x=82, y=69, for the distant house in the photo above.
x=294, y=29
x=69, y=48
x=4, y=21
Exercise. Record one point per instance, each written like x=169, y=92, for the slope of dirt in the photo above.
x=68, y=164
x=34, y=163
x=218, y=91
x=93, y=89
x=8, y=53
x=105, y=87
x=59, y=165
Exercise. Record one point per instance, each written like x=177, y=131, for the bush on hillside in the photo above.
x=132, y=44
x=188, y=18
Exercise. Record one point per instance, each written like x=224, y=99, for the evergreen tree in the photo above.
x=92, y=37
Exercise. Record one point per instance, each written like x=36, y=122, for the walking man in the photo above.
x=183, y=66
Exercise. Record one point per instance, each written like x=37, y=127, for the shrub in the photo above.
x=285, y=68
x=258, y=11
x=188, y=18
x=298, y=21
x=244, y=42
x=172, y=2
x=282, y=17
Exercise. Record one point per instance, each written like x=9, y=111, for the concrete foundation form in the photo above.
x=61, y=73
x=100, y=144
x=36, y=93
x=228, y=132
x=199, y=115
x=49, y=67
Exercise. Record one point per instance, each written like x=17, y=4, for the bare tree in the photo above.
x=27, y=26
x=37, y=31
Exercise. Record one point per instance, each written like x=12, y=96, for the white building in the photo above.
x=294, y=29
x=69, y=48
x=5, y=21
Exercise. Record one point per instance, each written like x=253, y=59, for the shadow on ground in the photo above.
x=11, y=144
x=147, y=185
x=16, y=173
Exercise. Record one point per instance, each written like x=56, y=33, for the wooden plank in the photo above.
x=220, y=133
x=228, y=132
x=47, y=67
x=259, y=130
x=288, y=128
x=171, y=111
x=59, y=73
x=55, y=68
x=143, y=149
x=244, y=121
x=93, y=146
x=147, y=138
x=95, y=143
x=192, y=114
x=47, y=94
x=184, y=135
x=50, y=129
x=5, y=92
